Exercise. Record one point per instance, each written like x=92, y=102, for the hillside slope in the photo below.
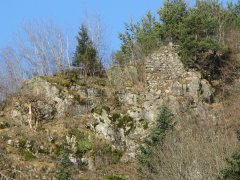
x=91, y=128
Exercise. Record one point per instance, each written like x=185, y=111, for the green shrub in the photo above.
x=145, y=125
x=116, y=101
x=4, y=125
x=60, y=80
x=63, y=171
x=232, y=171
x=114, y=177
x=58, y=149
x=22, y=143
x=83, y=140
x=164, y=124
x=126, y=123
x=106, y=108
x=116, y=155
x=105, y=151
x=29, y=156
x=115, y=116
x=101, y=82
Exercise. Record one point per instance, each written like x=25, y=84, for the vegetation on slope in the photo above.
x=204, y=34
x=193, y=148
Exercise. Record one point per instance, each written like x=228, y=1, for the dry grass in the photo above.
x=197, y=149
x=193, y=151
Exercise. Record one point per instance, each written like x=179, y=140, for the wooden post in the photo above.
x=30, y=115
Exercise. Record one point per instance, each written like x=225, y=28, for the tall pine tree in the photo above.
x=171, y=16
x=199, y=42
x=86, y=54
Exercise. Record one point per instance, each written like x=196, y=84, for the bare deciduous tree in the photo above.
x=40, y=49
x=98, y=34
x=12, y=70
x=44, y=48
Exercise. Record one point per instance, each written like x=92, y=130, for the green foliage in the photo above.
x=60, y=80
x=147, y=34
x=139, y=39
x=26, y=153
x=81, y=100
x=63, y=171
x=164, y=124
x=125, y=122
x=128, y=38
x=232, y=172
x=114, y=177
x=171, y=16
x=83, y=140
x=58, y=149
x=115, y=116
x=144, y=158
x=145, y=125
x=117, y=103
x=22, y=143
x=121, y=57
x=28, y=156
x=200, y=32
x=4, y=125
x=105, y=152
x=232, y=15
x=199, y=39
x=86, y=54
x=85, y=50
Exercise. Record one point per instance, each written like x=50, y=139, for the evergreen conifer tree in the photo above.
x=198, y=40
x=86, y=54
x=171, y=16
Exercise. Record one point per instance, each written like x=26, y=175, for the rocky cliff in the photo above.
x=75, y=113
x=167, y=84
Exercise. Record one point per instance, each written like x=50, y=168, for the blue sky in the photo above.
x=68, y=14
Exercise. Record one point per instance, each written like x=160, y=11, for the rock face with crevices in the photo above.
x=167, y=83
x=52, y=100
x=165, y=72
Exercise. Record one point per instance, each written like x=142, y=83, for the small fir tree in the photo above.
x=164, y=124
x=86, y=54
x=64, y=168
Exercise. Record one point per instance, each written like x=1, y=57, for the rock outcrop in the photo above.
x=54, y=100
x=168, y=83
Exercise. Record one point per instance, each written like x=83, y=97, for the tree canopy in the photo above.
x=201, y=33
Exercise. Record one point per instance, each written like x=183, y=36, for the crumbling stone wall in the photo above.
x=165, y=74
